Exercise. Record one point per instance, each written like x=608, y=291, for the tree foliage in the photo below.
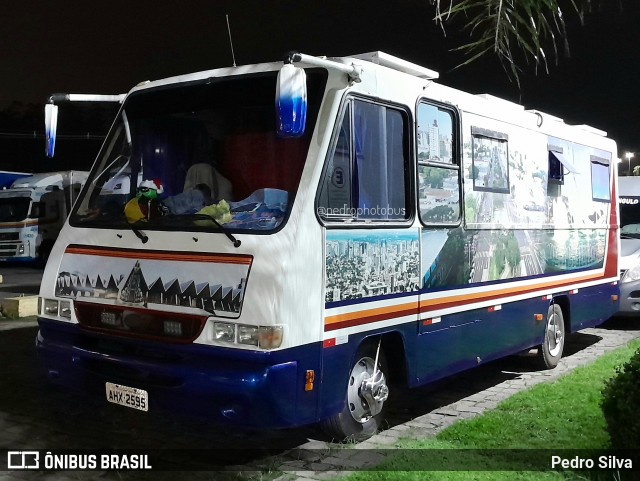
x=519, y=32
x=620, y=398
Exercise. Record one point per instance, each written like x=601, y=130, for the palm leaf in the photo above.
x=517, y=31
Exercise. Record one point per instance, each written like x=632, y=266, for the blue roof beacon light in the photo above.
x=50, y=127
x=291, y=101
x=51, y=113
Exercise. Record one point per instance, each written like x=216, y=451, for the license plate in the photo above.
x=130, y=397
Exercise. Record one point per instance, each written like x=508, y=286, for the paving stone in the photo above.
x=285, y=477
x=324, y=475
x=341, y=463
x=420, y=424
x=400, y=427
x=422, y=433
x=292, y=466
x=386, y=439
x=303, y=478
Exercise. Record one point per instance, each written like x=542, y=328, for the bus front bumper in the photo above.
x=245, y=388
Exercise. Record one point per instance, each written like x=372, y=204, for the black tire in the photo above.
x=550, y=351
x=356, y=422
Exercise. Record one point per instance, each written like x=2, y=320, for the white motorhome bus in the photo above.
x=33, y=211
x=629, y=200
x=379, y=228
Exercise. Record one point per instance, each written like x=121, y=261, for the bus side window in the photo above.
x=366, y=173
x=335, y=196
x=438, y=171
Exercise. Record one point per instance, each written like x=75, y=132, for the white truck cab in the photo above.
x=33, y=211
x=629, y=195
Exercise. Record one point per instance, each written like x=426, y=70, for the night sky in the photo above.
x=108, y=47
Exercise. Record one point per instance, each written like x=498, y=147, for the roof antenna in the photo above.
x=231, y=41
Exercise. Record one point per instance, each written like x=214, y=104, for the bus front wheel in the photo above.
x=366, y=394
x=550, y=351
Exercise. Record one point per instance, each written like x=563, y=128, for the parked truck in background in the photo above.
x=7, y=178
x=32, y=212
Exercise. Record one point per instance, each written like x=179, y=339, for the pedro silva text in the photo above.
x=603, y=462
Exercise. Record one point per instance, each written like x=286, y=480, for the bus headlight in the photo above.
x=224, y=331
x=248, y=335
x=263, y=337
x=50, y=307
x=65, y=309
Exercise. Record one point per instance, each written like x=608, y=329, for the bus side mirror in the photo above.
x=50, y=126
x=291, y=101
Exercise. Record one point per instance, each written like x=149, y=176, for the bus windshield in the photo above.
x=197, y=155
x=14, y=209
x=630, y=216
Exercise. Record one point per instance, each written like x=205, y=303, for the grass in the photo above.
x=561, y=415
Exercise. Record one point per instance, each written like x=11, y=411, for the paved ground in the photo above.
x=19, y=280
x=34, y=416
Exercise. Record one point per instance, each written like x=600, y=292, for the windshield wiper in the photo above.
x=230, y=236
x=139, y=234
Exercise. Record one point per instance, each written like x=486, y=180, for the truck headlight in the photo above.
x=631, y=275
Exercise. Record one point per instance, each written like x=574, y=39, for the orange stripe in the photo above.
x=386, y=312
x=389, y=312
x=170, y=256
x=26, y=223
x=464, y=299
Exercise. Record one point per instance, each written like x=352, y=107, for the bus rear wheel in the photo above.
x=366, y=394
x=550, y=351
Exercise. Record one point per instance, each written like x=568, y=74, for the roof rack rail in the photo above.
x=545, y=115
x=593, y=130
x=386, y=60
x=501, y=101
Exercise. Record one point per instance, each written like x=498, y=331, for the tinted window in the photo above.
x=366, y=173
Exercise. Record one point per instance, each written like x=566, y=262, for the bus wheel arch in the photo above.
x=365, y=395
x=394, y=349
x=555, y=332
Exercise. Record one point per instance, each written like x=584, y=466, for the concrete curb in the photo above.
x=17, y=307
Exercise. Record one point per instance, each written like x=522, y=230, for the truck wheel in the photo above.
x=365, y=398
x=550, y=351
